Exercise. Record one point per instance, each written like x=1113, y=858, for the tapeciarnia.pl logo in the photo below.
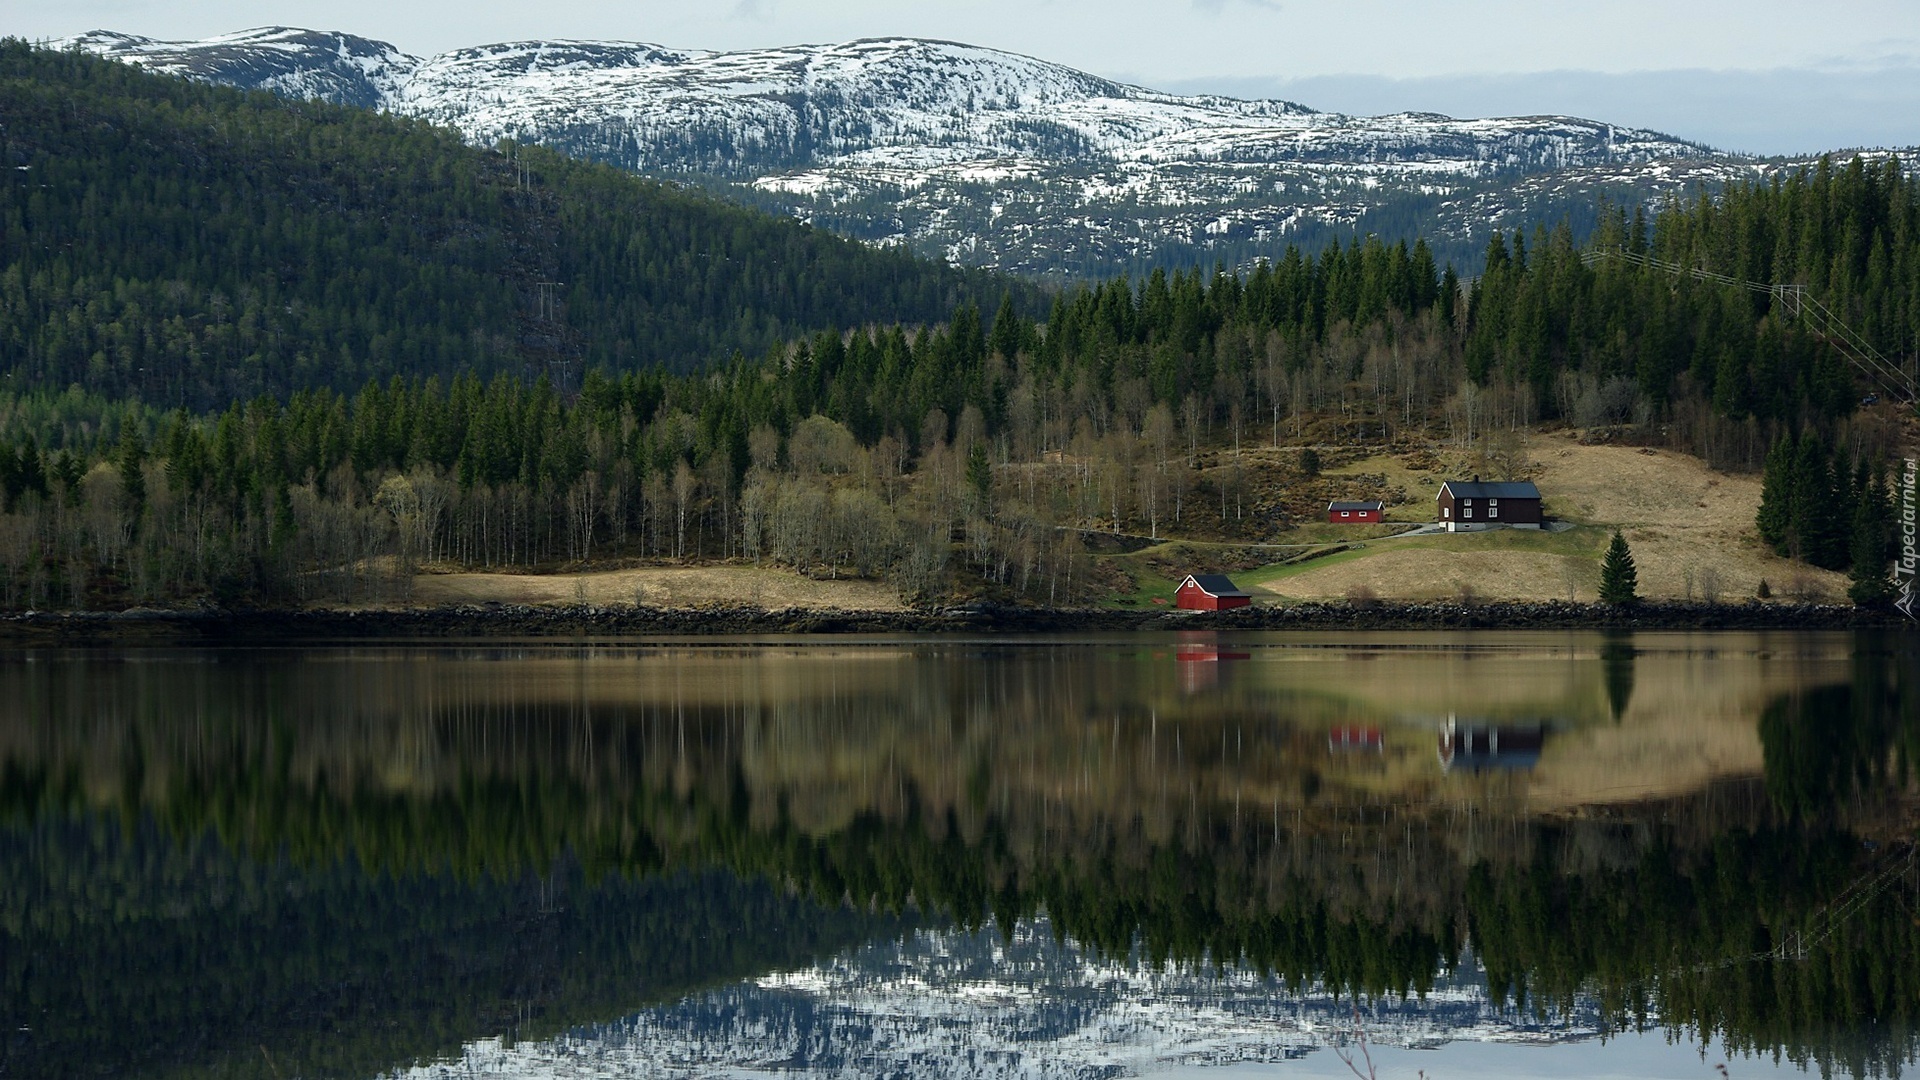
x=1903, y=570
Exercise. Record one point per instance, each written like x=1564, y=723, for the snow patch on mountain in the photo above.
x=982, y=156
x=904, y=102
x=295, y=63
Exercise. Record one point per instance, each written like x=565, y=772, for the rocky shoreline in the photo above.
x=265, y=626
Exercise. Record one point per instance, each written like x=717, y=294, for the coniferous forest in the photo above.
x=188, y=246
x=301, y=380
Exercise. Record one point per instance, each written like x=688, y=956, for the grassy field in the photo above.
x=1691, y=530
x=659, y=586
x=1506, y=564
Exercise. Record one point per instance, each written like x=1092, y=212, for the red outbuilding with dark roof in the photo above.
x=1210, y=592
x=1355, y=513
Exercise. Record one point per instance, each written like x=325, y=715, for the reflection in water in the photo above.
x=127, y=953
x=1825, y=745
x=1617, y=655
x=1472, y=745
x=375, y=855
x=1203, y=660
x=949, y=1003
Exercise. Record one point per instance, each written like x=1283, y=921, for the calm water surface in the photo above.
x=1487, y=854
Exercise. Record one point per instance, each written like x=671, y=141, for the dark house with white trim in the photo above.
x=1470, y=504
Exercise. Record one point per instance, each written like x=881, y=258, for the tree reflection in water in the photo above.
x=246, y=864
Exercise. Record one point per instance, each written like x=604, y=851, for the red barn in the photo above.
x=1353, y=513
x=1210, y=592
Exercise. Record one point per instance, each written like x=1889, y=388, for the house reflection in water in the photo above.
x=1355, y=738
x=1199, y=657
x=1475, y=745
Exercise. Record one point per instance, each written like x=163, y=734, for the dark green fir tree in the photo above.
x=1775, y=519
x=1820, y=517
x=1872, y=545
x=131, y=459
x=1619, y=579
x=980, y=474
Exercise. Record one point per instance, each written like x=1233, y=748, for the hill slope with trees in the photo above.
x=968, y=447
x=191, y=245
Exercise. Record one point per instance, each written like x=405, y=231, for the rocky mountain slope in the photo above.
x=985, y=157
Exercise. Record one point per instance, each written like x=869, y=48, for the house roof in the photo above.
x=1374, y=504
x=1472, y=489
x=1216, y=585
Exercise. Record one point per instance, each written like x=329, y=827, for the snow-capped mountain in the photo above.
x=953, y=1004
x=986, y=157
x=332, y=67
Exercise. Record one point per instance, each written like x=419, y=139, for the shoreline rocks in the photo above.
x=239, y=626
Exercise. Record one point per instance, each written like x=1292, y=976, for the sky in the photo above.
x=1761, y=76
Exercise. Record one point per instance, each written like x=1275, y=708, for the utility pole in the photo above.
x=1793, y=299
x=561, y=365
x=547, y=306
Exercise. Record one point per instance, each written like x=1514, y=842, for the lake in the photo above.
x=1198, y=855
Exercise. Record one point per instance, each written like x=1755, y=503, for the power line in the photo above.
x=1820, y=926
x=1797, y=303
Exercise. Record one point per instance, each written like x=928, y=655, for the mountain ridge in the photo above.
x=979, y=156
x=614, y=81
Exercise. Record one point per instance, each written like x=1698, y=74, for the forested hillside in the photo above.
x=191, y=245
x=972, y=451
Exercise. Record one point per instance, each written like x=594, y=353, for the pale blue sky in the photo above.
x=1758, y=75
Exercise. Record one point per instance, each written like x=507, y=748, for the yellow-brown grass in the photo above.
x=659, y=586
x=1683, y=520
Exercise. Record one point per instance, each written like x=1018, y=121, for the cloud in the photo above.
x=755, y=10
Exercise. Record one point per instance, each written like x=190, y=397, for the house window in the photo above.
x=1493, y=508
x=1446, y=511
x=1467, y=511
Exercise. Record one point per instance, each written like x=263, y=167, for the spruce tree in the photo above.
x=1619, y=579
x=9, y=480
x=1872, y=545
x=32, y=472
x=1828, y=546
x=131, y=459
x=1818, y=534
x=980, y=475
x=1775, y=519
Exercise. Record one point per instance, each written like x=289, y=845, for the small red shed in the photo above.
x=1210, y=592
x=1354, y=513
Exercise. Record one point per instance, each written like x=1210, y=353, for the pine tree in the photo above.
x=1619, y=579
x=1775, y=519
